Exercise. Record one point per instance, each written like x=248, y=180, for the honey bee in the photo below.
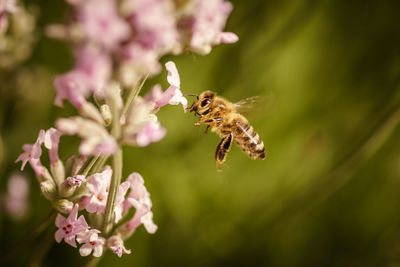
x=224, y=119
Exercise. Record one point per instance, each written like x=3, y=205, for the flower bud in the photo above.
x=48, y=189
x=106, y=113
x=45, y=175
x=58, y=172
x=68, y=187
x=63, y=205
x=88, y=110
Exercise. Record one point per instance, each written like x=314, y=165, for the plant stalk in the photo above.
x=116, y=163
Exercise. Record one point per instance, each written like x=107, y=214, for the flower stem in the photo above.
x=99, y=164
x=116, y=163
x=115, y=181
x=89, y=166
x=132, y=94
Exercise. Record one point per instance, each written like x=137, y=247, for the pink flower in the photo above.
x=143, y=215
x=98, y=185
x=16, y=200
x=116, y=244
x=101, y=23
x=119, y=201
x=137, y=61
x=173, y=94
x=142, y=126
x=32, y=153
x=150, y=133
x=206, y=25
x=96, y=64
x=51, y=141
x=72, y=86
x=91, y=74
x=139, y=198
x=154, y=24
x=92, y=242
x=69, y=227
x=95, y=138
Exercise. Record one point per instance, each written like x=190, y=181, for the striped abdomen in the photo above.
x=248, y=140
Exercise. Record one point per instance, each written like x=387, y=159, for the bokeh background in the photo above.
x=328, y=193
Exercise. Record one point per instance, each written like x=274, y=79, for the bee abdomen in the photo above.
x=249, y=141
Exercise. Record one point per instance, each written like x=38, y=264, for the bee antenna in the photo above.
x=191, y=95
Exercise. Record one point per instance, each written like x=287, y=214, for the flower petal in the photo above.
x=59, y=235
x=173, y=75
x=60, y=220
x=85, y=250
x=228, y=37
x=98, y=250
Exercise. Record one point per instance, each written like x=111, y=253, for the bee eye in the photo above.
x=205, y=102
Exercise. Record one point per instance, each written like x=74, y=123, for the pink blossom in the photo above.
x=154, y=24
x=98, y=185
x=206, y=24
x=72, y=86
x=119, y=200
x=51, y=141
x=91, y=74
x=69, y=227
x=139, y=198
x=143, y=215
x=95, y=138
x=92, y=242
x=32, y=153
x=138, y=60
x=142, y=126
x=173, y=94
x=101, y=23
x=16, y=200
x=150, y=133
x=96, y=64
x=116, y=244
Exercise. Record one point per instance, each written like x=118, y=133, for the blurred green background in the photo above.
x=328, y=193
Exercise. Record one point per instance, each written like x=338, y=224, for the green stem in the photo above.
x=99, y=164
x=132, y=94
x=116, y=167
x=89, y=166
x=115, y=181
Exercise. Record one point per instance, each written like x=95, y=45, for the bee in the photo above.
x=222, y=117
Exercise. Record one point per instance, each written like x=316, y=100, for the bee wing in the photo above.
x=250, y=104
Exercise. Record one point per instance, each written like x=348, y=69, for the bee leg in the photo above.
x=208, y=121
x=222, y=150
x=208, y=126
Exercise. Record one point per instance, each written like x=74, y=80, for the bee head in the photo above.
x=203, y=102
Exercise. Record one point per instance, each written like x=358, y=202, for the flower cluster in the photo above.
x=118, y=44
x=133, y=35
x=77, y=185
